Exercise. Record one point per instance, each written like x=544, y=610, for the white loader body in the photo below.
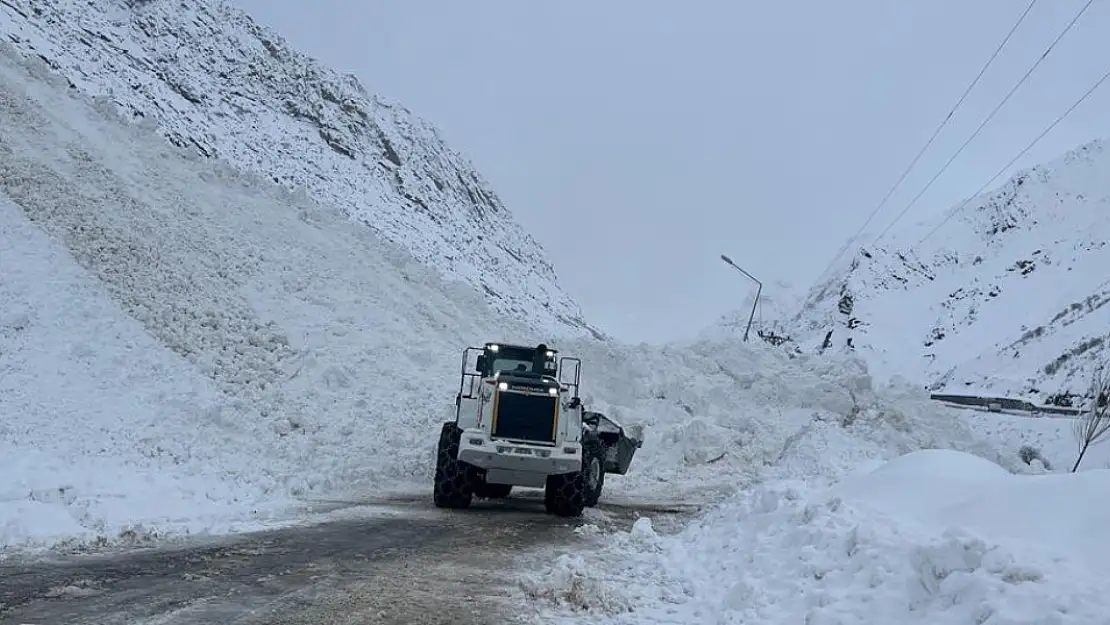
x=519, y=421
x=520, y=430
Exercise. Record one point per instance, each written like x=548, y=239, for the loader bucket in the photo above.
x=621, y=442
x=619, y=461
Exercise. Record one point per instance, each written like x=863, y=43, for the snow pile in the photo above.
x=930, y=537
x=1009, y=297
x=721, y=415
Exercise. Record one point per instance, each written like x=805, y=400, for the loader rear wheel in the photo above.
x=595, y=471
x=454, y=480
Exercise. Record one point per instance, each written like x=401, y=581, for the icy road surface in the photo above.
x=421, y=567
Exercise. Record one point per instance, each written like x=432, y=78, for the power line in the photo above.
x=985, y=121
x=936, y=132
x=1059, y=119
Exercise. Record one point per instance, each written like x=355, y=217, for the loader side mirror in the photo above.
x=481, y=364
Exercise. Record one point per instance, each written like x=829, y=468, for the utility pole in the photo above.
x=759, y=289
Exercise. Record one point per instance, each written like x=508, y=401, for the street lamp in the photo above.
x=759, y=289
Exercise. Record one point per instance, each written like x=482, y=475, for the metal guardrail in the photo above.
x=998, y=404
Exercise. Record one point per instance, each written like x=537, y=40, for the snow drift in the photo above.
x=930, y=537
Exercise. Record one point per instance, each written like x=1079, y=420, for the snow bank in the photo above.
x=1048, y=442
x=931, y=537
x=951, y=489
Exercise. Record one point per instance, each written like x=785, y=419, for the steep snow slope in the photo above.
x=1007, y=298
x=185, y=347
x=212, y=80
x=101, y=429
x=224, y=345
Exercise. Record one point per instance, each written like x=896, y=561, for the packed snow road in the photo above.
x=419, y=567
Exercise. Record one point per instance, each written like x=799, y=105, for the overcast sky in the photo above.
x=639, y=140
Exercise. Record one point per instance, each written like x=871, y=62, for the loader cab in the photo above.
x=517, y=360
x=518, y=366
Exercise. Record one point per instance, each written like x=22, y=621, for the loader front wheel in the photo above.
x=568, y=494
x=454, y=480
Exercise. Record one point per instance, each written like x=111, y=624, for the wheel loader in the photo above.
x=519, y=421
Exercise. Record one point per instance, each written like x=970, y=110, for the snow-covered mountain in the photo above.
x=1009, y=297
x=212, y=80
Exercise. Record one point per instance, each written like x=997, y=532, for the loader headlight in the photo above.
x=494, y=348
x=551, y=390
x=502, y=386
x=550, y=354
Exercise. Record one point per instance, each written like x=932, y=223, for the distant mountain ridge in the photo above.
x=212, y=80
x=1009, y=297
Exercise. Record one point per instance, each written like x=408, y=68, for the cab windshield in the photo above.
x=509, y=364
x=515, y=360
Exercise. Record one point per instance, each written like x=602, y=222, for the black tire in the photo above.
x=566, y=494
x=594, y=470
x=493, y=491
x=454, y=480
